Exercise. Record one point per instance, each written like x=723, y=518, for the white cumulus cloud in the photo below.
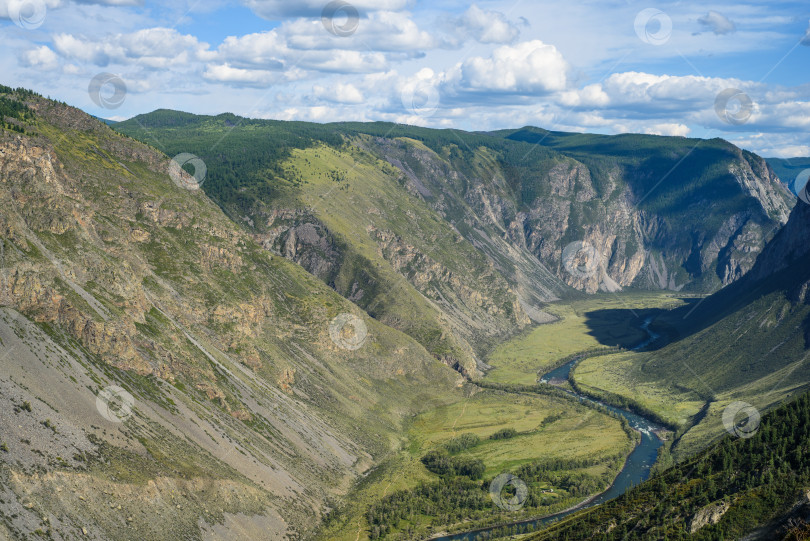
x=668, y=128
x=487, y=26
x=155, y=48
x=41, y=58
x=281, y=9
x=528, y=67
x=340, y=93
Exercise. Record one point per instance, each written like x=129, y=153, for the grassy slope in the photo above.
x=517, y=362
x=753, y=349
x=450, y=299
x=190, y=272
x=369, y=201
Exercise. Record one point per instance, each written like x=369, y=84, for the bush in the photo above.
x=439, y=462
x=462, y=443
x=504, y=434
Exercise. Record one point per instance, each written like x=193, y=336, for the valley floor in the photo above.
x=569, y=440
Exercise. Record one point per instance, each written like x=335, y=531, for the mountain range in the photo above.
x=274, y=302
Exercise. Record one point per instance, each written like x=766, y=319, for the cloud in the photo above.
x=773, y=145
x=383, y=31
x=718, y=23
x=224, y=73
x=53, y=4
x=266, y=50
x=665, y=104
x=681, y=130
x=153, y=48
x=276, y=10
x=41, y=58
x=340, y=93
x=591, y=96
x=530, y=67
x=112, y=2
x=806, y=38
x=382, y=38
x=487, y=26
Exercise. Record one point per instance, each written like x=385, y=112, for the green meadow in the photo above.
x=592, y=323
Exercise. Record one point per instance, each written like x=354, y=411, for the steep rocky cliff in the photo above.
x=658, y=212
x=788, y=247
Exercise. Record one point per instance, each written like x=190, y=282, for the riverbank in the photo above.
x=638, y=463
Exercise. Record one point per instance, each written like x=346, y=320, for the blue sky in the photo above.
x=722, y=69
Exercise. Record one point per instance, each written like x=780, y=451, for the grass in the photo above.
x=618, y=374
x=569, y=435
x=547, y=429
x=406, y=249
x=596, y=322
x=575, y=431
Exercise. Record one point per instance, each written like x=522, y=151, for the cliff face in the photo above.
x=614, y=215
x=258, y=394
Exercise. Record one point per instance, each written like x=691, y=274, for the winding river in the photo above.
x=636, y=469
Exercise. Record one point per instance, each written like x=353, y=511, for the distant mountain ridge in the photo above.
x=435, y=211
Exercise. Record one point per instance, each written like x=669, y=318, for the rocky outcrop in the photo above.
x=711, y=514
x=426, y=274
x=300, y=237
x=789, y=245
